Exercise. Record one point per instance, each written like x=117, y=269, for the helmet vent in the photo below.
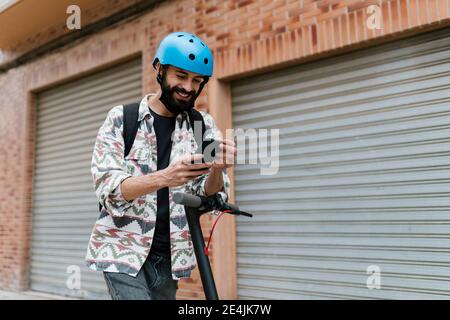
x=191, y=41
x=205, y=60
x=202, y=43
x=192, y=57
x=180, y=35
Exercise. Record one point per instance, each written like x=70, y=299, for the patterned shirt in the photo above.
x=122, y=236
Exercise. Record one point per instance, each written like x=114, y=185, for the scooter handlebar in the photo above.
x=187, y=199
x=193, y=201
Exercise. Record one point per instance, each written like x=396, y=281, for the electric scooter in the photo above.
x=195, y=206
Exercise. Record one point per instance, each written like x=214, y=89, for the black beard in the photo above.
x=168, y=97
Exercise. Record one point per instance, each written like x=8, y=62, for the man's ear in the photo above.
x=156, y=63
x=159, y=72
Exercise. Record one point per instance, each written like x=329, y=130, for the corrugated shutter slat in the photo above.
x=363, y=176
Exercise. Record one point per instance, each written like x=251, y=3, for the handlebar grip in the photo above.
x=187, y=200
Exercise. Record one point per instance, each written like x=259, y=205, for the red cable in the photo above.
x=205, y=250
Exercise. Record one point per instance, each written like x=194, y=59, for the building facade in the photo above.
x=359, y=91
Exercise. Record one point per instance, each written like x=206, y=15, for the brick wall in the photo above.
x=247, y=36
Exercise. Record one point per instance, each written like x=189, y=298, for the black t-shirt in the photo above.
x=164, y=127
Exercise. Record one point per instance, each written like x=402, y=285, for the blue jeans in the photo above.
x=153, y=282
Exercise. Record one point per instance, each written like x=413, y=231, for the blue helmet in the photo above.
x=185, y=51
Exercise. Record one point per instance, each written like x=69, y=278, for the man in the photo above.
x=141, y=242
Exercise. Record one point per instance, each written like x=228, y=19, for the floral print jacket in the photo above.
x=122, y=236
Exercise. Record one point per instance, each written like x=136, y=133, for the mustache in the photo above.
x=182, y=91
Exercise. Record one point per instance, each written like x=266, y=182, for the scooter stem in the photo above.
x=209, y=286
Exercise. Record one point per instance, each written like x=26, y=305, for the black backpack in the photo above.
x=130, y=126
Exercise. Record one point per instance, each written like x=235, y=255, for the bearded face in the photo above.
x=174, y=95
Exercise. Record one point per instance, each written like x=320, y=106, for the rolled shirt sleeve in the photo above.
x=108, y=166
x=198, y=186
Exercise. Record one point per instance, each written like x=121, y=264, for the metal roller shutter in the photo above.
x=364, y=176
x=64, y=204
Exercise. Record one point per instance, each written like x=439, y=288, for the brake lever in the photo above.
x=229, y=208
x=241, y=213
x=216, y=202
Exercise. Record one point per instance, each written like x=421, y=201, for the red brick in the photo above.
x=331, y=14
x=244, y=3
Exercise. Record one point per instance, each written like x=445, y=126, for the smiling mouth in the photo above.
x=184, y=96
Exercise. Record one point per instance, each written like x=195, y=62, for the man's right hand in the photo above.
x=181, y=171
x=176, y=174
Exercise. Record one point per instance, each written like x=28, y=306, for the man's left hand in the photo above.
x=226, y=155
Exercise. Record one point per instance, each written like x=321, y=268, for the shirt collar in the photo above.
x=143, y=107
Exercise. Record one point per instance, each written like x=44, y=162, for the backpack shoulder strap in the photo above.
x=195, y=115
x=130, y=125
